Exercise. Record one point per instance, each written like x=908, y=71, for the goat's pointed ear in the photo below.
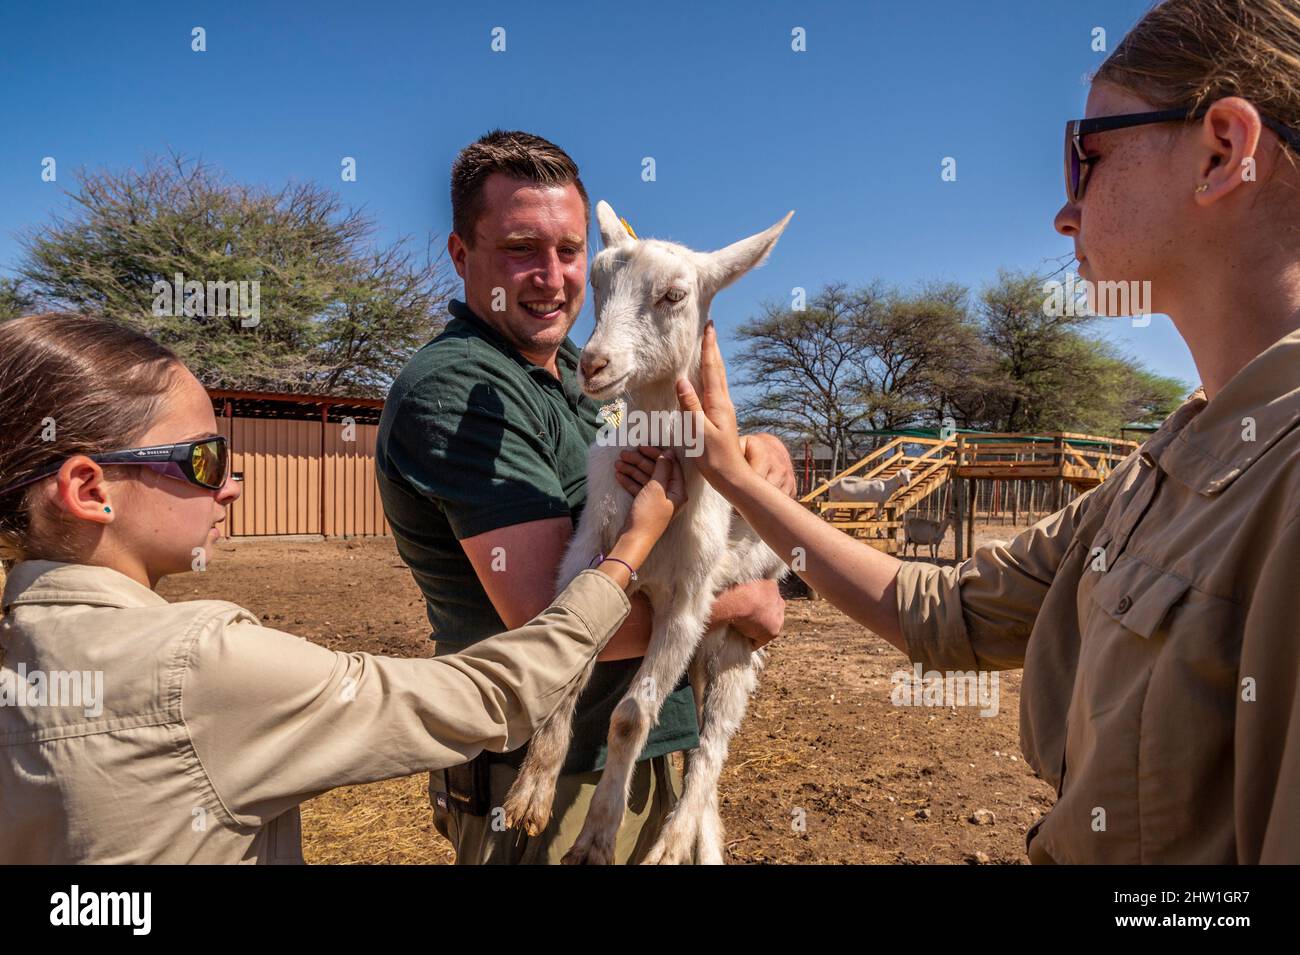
x=724, y=266
x=611, y=229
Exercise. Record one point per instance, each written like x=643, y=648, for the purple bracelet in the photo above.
x=601, y=558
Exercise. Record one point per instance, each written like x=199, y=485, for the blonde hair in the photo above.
x=1193, y=52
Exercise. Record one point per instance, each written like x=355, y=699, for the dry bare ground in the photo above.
x=825, y=770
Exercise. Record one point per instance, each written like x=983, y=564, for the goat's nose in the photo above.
x=591, y=364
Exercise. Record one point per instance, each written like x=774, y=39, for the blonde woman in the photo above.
x=1157, y=617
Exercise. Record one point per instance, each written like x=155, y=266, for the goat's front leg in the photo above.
x=528, y=803
x=695, y=828
x=677, y=629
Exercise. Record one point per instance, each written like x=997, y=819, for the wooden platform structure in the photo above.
x=1080, y=460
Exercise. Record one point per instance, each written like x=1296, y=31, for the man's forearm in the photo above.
x=727, y=609
x=756, y=610
x=632, y=639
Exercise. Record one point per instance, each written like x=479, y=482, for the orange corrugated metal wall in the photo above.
x=352, y=505
x=285, y=474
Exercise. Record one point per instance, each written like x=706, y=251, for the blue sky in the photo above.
x=851, y=133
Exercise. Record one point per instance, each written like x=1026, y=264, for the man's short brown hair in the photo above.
x=512, y=153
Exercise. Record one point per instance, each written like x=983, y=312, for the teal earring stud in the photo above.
x=107, y=509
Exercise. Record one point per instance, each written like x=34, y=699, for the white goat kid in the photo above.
x=652, y=303
x=855, y=491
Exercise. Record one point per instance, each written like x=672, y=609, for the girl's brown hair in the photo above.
x=69, y=385
x=1193, y=52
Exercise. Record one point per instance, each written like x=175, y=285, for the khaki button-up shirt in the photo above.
x=1157, y=618
x=137, y=730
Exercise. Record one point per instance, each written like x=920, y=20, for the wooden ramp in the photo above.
x=1080, y=460
x=929, y=459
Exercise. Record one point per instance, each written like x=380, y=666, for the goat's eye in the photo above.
x=675, y=294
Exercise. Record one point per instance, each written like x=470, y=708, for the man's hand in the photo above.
x=657, y=501
x=770, y=461
x=756, y=609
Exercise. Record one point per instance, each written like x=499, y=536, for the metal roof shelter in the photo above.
x=307, y=463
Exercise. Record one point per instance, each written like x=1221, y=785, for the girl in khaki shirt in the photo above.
x=137, y=730
x=1157, y=617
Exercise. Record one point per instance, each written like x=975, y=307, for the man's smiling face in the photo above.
x=531, y=243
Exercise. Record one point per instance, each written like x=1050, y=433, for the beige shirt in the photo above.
x=1157, y=618
x=210, y=729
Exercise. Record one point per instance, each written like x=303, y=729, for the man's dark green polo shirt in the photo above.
x=474, y=437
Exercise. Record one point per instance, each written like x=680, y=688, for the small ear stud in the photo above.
x=1201, y=188
x=107, y=509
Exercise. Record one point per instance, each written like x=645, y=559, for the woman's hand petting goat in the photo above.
x=856, y=578
x=756, y=608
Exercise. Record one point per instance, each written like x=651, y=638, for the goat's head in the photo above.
x=904, y=477
x=651, y=299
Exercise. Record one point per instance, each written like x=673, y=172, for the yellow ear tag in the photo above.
x=628, y=227
x=612, y=413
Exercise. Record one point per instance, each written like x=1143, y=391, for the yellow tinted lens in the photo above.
x=209, y=463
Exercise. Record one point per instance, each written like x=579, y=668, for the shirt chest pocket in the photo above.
x=1159, y=682
x=1153, y=634
x=1137, y=596
x=1126, y=615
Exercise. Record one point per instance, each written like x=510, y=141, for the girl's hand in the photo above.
x=722, y=459
x=657, y=502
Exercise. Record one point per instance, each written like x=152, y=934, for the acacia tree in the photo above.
x=15, y=300
x=914, y=344
x=1046, y=374
x=803, y=366
x=334, y=312
x=879, y=358
x=854, y=362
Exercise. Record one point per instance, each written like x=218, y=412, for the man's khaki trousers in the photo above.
x=482, y=840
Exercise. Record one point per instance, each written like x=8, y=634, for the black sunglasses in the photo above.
x=204, y=462
x=1078, y=164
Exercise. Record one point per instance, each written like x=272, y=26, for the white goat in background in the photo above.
x=920, y=530
x=652, y=304
x=856, y=491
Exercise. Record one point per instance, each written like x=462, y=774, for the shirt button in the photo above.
x=1124, y=604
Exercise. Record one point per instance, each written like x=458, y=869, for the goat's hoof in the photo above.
x=589, y=850
x=664, y=852
x=527, y=807
x=676, y=843
x=708, y=852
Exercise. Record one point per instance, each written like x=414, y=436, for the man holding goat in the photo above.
x=482, y=455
